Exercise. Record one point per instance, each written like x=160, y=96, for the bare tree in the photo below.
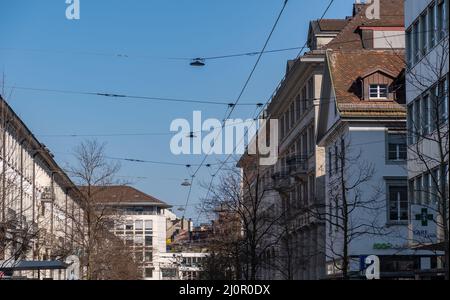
x=353, y=206
x=94, y=173
x=224, y=257
x=245, y=194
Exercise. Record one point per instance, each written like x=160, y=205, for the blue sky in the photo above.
x=40, y=48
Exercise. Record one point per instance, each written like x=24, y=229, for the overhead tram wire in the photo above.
x=125, y=96
x=265, y=105
x=217, y=57
x=232, y=108
x=322, y=100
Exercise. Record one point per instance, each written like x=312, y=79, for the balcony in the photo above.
x=282, y=181
x=298, y=166
x=12, y=220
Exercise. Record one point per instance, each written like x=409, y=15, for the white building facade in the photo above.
x=41, y=210
x=140, y=221
x=427, y=81
x=362, y=126
x=181, y=265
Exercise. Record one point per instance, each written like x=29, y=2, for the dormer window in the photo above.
x=376, y=85
x=378, y=91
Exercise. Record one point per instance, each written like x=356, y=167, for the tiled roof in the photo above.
x=391, y=15
x=332, y=24
x=122, y=194
x=346, y=68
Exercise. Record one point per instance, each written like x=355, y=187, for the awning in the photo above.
x=30, y=265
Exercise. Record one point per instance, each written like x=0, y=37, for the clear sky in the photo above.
x=40, y=48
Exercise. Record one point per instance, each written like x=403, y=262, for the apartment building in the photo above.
x=427, y=81
x=41, y=210
x=181, y=265
x=293, y=188
x=140, y=221
x=362, y=127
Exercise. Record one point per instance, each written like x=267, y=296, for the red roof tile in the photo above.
x=346, y=67
x=391, y=15
x=122, y=194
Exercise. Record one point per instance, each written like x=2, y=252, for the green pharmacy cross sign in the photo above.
x=424, y=217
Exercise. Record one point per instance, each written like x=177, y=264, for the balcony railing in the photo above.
x=298, y=165
x=282, y=180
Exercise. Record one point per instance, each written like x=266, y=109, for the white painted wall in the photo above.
x=369, y=142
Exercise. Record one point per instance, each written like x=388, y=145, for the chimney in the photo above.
x=358, y=7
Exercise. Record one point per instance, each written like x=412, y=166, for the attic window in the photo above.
x=378, y=91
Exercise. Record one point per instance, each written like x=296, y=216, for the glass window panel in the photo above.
x=148, y=225
x=138, y=225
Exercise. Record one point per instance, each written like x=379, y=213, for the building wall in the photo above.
x=366, y=144
x=146, y=243
x=427, y=76
x=27, y=173
x=296, y=106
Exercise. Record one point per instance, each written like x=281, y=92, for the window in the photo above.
x=148, y=225
x=443, y=101
x=441, y=20
x=330, y=162
x=330, y=223
x=411, y=191
x=292, y=114
x=336, y=158
x=312, y=141
x=138, y=256
x=129, y=225
x=297, y=107
x=286, y=122
x=310, y=91
x=138, y=225
x=431, y=27
x=304, y=99
x=304, y=144
x=396, y=147
x=409, y=47
x=138, y=240
x=148, y=272
x=418, y=190
x=434, y=185
x=148, y=241
x=411, y=135
x=148, y=256
x=378, y=91
x=416, y=49
x=416, y=120
x=282, y=129
x=168, y=273
x=423, y=34
x=426, y=189
x=425, y=114
x=398, y=202
x=433, y=96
